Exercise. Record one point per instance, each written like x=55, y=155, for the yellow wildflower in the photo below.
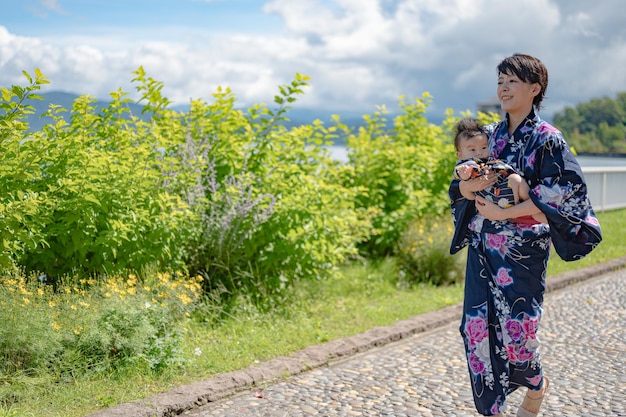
x=184, y=298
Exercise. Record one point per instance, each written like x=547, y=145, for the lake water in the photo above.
x=339, y=153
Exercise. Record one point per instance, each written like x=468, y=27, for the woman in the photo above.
x=507, y=258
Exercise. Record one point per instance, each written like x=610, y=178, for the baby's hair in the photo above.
x=467, y=128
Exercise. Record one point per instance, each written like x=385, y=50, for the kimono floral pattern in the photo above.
x=507, y=261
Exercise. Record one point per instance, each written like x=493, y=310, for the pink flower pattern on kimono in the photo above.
x=531, y=158
x=521, y=332
x=499, y=243
x=592, y=220
x=547, y=128
x=518, y=354
x=503, y=278
x=477, y=335
x=476, y=330
x=535, y=380
x=530, y=326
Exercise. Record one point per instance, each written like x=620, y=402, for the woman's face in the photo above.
x=515, y=95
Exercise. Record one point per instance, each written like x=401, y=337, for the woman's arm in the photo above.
x=493, y=212
x=470, y=187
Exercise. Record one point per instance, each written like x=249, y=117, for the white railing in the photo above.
x=605, y=187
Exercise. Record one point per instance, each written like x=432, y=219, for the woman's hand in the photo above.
x=490, y=210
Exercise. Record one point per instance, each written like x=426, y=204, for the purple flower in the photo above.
x=476, y=364
x=500, y=144
x=514, y=329
x=547, y=128
x=532, y=157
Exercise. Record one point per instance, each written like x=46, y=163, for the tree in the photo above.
x=595, y=126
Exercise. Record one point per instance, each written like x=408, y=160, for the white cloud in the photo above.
x=359, y=53
x=44, y=7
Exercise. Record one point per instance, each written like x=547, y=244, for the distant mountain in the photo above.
x=297, y=116
x=65, y=100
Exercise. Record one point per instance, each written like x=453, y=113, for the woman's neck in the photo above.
x=516, y=118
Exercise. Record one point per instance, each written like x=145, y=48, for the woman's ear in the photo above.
x=536, y=88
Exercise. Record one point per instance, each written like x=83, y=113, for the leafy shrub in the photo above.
x=27, y=340
x=271, y=202
x=20, y=206
x=423, y=252
x=400, y=173
x=93, y=326
x=232, y=194
x=83, y=196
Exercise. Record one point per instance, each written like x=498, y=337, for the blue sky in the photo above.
x=359, y=53
x=144, y=19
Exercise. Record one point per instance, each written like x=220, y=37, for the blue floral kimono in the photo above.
x=507, y=260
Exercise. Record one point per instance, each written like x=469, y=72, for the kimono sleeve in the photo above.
x=561, y=194
x=463, y=210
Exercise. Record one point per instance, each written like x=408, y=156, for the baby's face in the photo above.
x=474, y=147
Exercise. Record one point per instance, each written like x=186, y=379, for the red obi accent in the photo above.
x=525, y=220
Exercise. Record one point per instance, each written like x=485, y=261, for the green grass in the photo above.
x=360, y=298
x=613, y=245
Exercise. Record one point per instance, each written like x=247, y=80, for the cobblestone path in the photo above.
x=584, y=353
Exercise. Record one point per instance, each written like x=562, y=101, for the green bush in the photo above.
x=424, y=253
x=93, y=326
x=271, y=202
x=27, y=340
x=230, y=193
x=238, y=197
x=83, y=196
x=400, y=173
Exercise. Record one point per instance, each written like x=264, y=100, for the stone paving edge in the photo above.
x=190, y=396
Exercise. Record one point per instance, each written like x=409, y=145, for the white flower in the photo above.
x=482, y=350
x=532, y=344
x=503, y=203
x=551, y=194
x=197, y=351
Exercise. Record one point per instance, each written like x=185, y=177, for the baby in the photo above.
x=472, y=149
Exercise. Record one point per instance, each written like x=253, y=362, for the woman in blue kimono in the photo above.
x=507, y=258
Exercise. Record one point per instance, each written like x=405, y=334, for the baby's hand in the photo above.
x=467, y=170
x=464, y=172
